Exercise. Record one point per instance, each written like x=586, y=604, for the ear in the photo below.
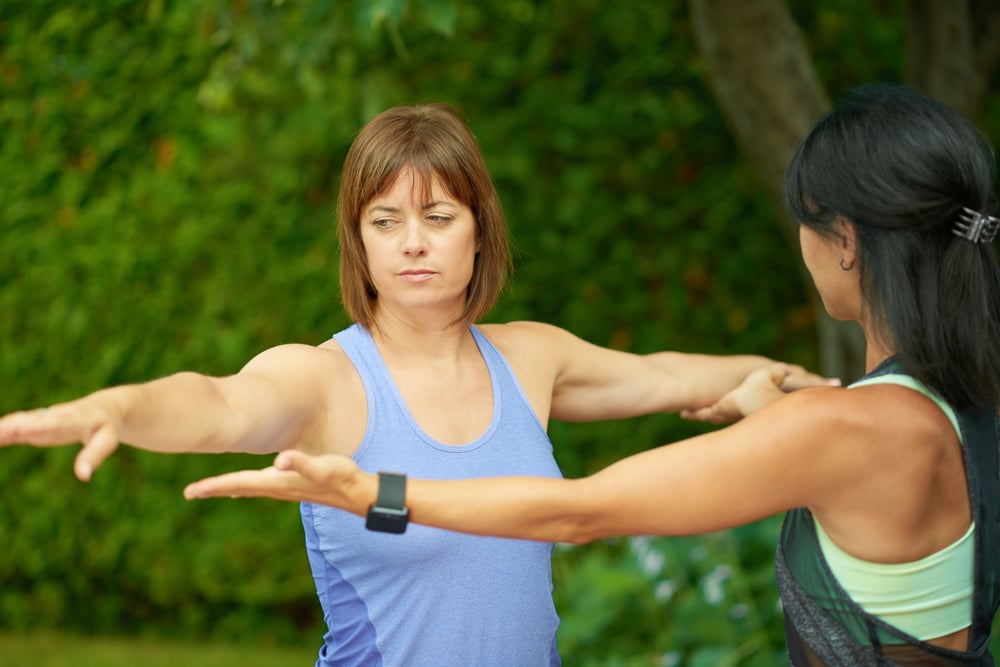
x=847, y=239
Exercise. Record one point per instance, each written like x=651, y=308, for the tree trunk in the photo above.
x=764, y=79
x=953, y=48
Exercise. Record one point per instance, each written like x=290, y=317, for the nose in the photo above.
x=414, y=241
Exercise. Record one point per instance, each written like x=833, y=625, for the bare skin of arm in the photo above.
x=279, y=400
x=570, y=379
x=783, y=457
x=311, y=399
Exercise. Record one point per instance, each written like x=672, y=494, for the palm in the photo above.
x=294, y=477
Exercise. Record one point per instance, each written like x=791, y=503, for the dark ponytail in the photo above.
x=901, y=166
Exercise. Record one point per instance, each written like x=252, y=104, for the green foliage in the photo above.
x=709, y=600
x=54, y=649
x=168, y=174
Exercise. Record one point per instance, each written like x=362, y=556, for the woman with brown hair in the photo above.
x=413, y=385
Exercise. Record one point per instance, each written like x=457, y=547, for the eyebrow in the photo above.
x=395, y=209
x=438, y=203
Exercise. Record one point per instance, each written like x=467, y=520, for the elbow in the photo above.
x=579, y=537
x=585, y=529
x=587, y=517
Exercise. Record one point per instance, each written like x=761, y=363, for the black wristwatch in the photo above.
x=389, y=513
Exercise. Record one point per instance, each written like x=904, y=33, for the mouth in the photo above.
x=416, y=275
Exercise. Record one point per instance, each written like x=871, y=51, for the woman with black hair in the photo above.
x=890, y=550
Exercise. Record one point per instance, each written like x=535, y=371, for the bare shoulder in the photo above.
x=881, y=469
x=528, y=337
x=894, y=412
x=308, y=373
x=522, y=330
x=849, y=433
x=871, y=412
x=541, y=345
x=904, y=420
x=298, y=358
x=324, y=378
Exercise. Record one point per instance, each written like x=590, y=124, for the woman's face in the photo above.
x=420, y=250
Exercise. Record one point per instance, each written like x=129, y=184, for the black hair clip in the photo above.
x=975, y=226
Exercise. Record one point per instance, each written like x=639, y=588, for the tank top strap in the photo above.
x=359, y=346
x=506, y=386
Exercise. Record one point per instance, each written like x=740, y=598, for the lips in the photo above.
x=416, y=275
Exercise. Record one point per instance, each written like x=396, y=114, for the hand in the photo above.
x=759, y=389
x=799, y=378
x=328, y=479
x=91, y=421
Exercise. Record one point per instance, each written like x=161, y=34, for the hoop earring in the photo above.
x=845, y=268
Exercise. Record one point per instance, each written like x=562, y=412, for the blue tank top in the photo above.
x=431, y=597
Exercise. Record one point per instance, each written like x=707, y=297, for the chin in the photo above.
x=841, y=314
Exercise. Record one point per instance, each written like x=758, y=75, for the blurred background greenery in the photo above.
x=168, y=174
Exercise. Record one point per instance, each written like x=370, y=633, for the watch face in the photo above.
x=389, y=513
x=386, y=520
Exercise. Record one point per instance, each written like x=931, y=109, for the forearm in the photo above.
x=531, y=508
x=705, y=378
x=694, y=486
x=184, y=412
x=627, y=498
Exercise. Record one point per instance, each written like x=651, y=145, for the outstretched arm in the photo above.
x=266, y=407
x=765, y=464
x=595, y=383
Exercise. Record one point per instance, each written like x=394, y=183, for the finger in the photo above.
x=288, y=459
x=271, y=493
x=696, y=415
x=313, y=468
x=778, y=373
x=225, y=484
x=44, y=426
x=709, y=414
x=95, y=451
x=269, y=482
x=794, y=382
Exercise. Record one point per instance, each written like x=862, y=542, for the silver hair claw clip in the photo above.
x=975, y=226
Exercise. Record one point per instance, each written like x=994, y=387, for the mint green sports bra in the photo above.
x=928, y=598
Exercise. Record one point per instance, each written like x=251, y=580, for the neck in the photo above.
x=426, y=336
x=876, y=351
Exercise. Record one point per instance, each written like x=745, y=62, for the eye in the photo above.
x=382, y=223
x=439, y=219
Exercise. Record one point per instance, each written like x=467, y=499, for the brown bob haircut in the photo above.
x=432, y=140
